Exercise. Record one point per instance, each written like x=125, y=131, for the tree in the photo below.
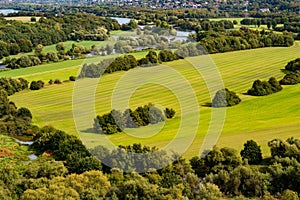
x=60, y=48
x=72, y=78
x=25, y=45
x=252, y=152
x=224, y=98
x=133, y=24
x=36, y=85
x=109, y=49
x=169, y=112
x=4, y=49
x=289, y=195
x=210, y=191
x=24, y=113
x=269, y=25
x=138, y=31
x=152, y=57
x=14, y=49
x=39, y=50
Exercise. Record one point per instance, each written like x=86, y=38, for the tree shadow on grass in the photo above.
x=207, y=105
x=89, y=130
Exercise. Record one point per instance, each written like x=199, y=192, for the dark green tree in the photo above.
x=225, y=98
x=252, y=152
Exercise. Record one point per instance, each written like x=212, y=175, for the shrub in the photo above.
x=170, y=113
x=293, y=65
x=24, y=113
x=36, y=85
x=57, y=81
x=225, y=98
x=72, y=78
x=50, y=82
x=290, y=79
x=167, y=55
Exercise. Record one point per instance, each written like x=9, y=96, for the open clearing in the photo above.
x=258, y=118
x=22, y=18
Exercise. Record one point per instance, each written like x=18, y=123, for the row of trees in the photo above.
x=116, y=121
x=216, y=42
x=12, y=86
x=204, y=25
x=14, y=121
x=125, y=63
x=222, y=173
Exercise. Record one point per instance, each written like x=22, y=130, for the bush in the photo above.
x=57, y=81
x=72, y=78
x=289, y=195
x=50, y=82
x=36, y=85
x=170, y=113
x=293, y=65
x=290, y=79
x=225, y=98
x=24, y=113
x=167, y=55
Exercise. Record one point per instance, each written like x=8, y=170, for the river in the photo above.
x=7, y=11
x=122, y=20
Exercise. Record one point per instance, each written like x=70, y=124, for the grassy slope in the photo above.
x=259, y=118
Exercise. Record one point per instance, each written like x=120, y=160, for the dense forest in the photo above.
x=245, y=38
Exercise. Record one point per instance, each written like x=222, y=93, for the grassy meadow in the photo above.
x=258, y=118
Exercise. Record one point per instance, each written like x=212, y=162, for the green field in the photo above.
x=258, y=118
x=238, y=19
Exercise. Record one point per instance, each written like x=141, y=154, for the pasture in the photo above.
x=258, y=118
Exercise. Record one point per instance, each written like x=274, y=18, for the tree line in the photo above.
x=125, y=63
x=73, y=171
x=263, y=88
x=116, y=121
x=245, y=38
